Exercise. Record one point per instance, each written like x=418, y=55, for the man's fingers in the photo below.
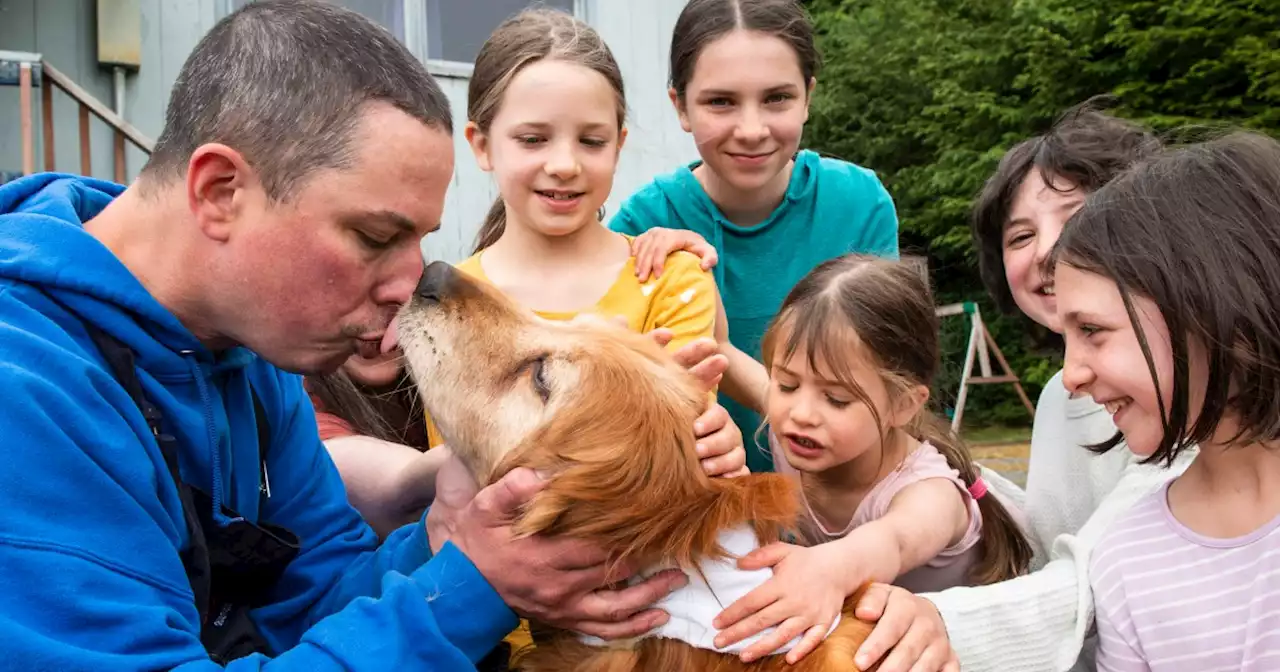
x=587, y=564
x=633, y=627
x=504, y=498
x=617, y=605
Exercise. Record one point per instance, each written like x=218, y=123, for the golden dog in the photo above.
x=609, y=416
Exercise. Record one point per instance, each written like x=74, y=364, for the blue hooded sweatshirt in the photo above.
x=91, y=526
x=831, y=208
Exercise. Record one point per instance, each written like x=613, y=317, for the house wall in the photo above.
x=638, y=32
x=64, y=32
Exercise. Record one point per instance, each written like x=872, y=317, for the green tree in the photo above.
x=931, y=93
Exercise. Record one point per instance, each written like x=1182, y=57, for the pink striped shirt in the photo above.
x=1169, y=599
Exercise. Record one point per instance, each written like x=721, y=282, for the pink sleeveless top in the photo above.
x=949, y=568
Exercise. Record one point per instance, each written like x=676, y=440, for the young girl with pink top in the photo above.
x=890, y=494
x=1167, y=283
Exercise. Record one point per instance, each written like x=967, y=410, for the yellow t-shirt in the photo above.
x=683, y=300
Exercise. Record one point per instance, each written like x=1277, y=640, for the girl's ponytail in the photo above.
x=1006, y=553
x=494, y=224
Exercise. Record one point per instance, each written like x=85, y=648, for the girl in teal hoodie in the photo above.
x=742, y=76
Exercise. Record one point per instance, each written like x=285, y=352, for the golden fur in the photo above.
x=609, y=416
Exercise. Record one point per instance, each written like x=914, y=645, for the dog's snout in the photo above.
x=437, y=280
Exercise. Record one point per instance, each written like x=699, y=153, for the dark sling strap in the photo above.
x=231, y=568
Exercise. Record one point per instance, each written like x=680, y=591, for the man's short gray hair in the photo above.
x=284, y=83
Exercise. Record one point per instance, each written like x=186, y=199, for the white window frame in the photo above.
x=415, y=21
x=415, y=37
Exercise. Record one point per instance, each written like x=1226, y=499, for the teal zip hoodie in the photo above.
x=831, y=208
x=92, y=528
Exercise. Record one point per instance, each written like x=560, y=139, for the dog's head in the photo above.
x=603, y=411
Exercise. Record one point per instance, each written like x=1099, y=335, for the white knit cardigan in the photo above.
x=1043, y=621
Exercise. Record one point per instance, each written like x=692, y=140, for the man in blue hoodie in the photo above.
x=165, y=502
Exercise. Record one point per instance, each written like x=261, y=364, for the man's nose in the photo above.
x=439, y=279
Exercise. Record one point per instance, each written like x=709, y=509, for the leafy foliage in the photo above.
x=931, y=93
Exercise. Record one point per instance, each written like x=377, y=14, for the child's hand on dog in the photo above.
x=804, y=597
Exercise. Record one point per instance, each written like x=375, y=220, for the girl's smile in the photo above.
x=1104, y=357
x=553, y=147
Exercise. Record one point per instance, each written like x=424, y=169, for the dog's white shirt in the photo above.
x=694, y=606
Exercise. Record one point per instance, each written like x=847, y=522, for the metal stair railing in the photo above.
x=34, y=72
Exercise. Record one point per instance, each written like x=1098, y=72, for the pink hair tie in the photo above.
x=979, y=488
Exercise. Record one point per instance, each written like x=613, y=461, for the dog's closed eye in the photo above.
x=538, y=375
x=534, y=369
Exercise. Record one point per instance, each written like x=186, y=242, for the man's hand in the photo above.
x=556, y=581
x=908, y=628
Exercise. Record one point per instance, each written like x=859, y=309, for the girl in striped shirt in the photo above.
x=1168, y=285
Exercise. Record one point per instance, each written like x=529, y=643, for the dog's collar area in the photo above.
x=693, y=607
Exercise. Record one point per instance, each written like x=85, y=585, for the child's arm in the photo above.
x=923, y=520
x=746, y=381
x=390, y=484
x=809, y=585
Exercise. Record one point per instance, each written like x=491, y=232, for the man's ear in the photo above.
x=479, y=141
x=219, y=184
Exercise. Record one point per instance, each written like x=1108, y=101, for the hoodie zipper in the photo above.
x=211, y=433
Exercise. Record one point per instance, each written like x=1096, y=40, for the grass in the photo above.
x=996, y=434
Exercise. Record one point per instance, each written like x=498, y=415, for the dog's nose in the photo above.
x=436, y=281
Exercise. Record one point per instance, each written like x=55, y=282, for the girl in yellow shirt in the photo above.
x=546, y=114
